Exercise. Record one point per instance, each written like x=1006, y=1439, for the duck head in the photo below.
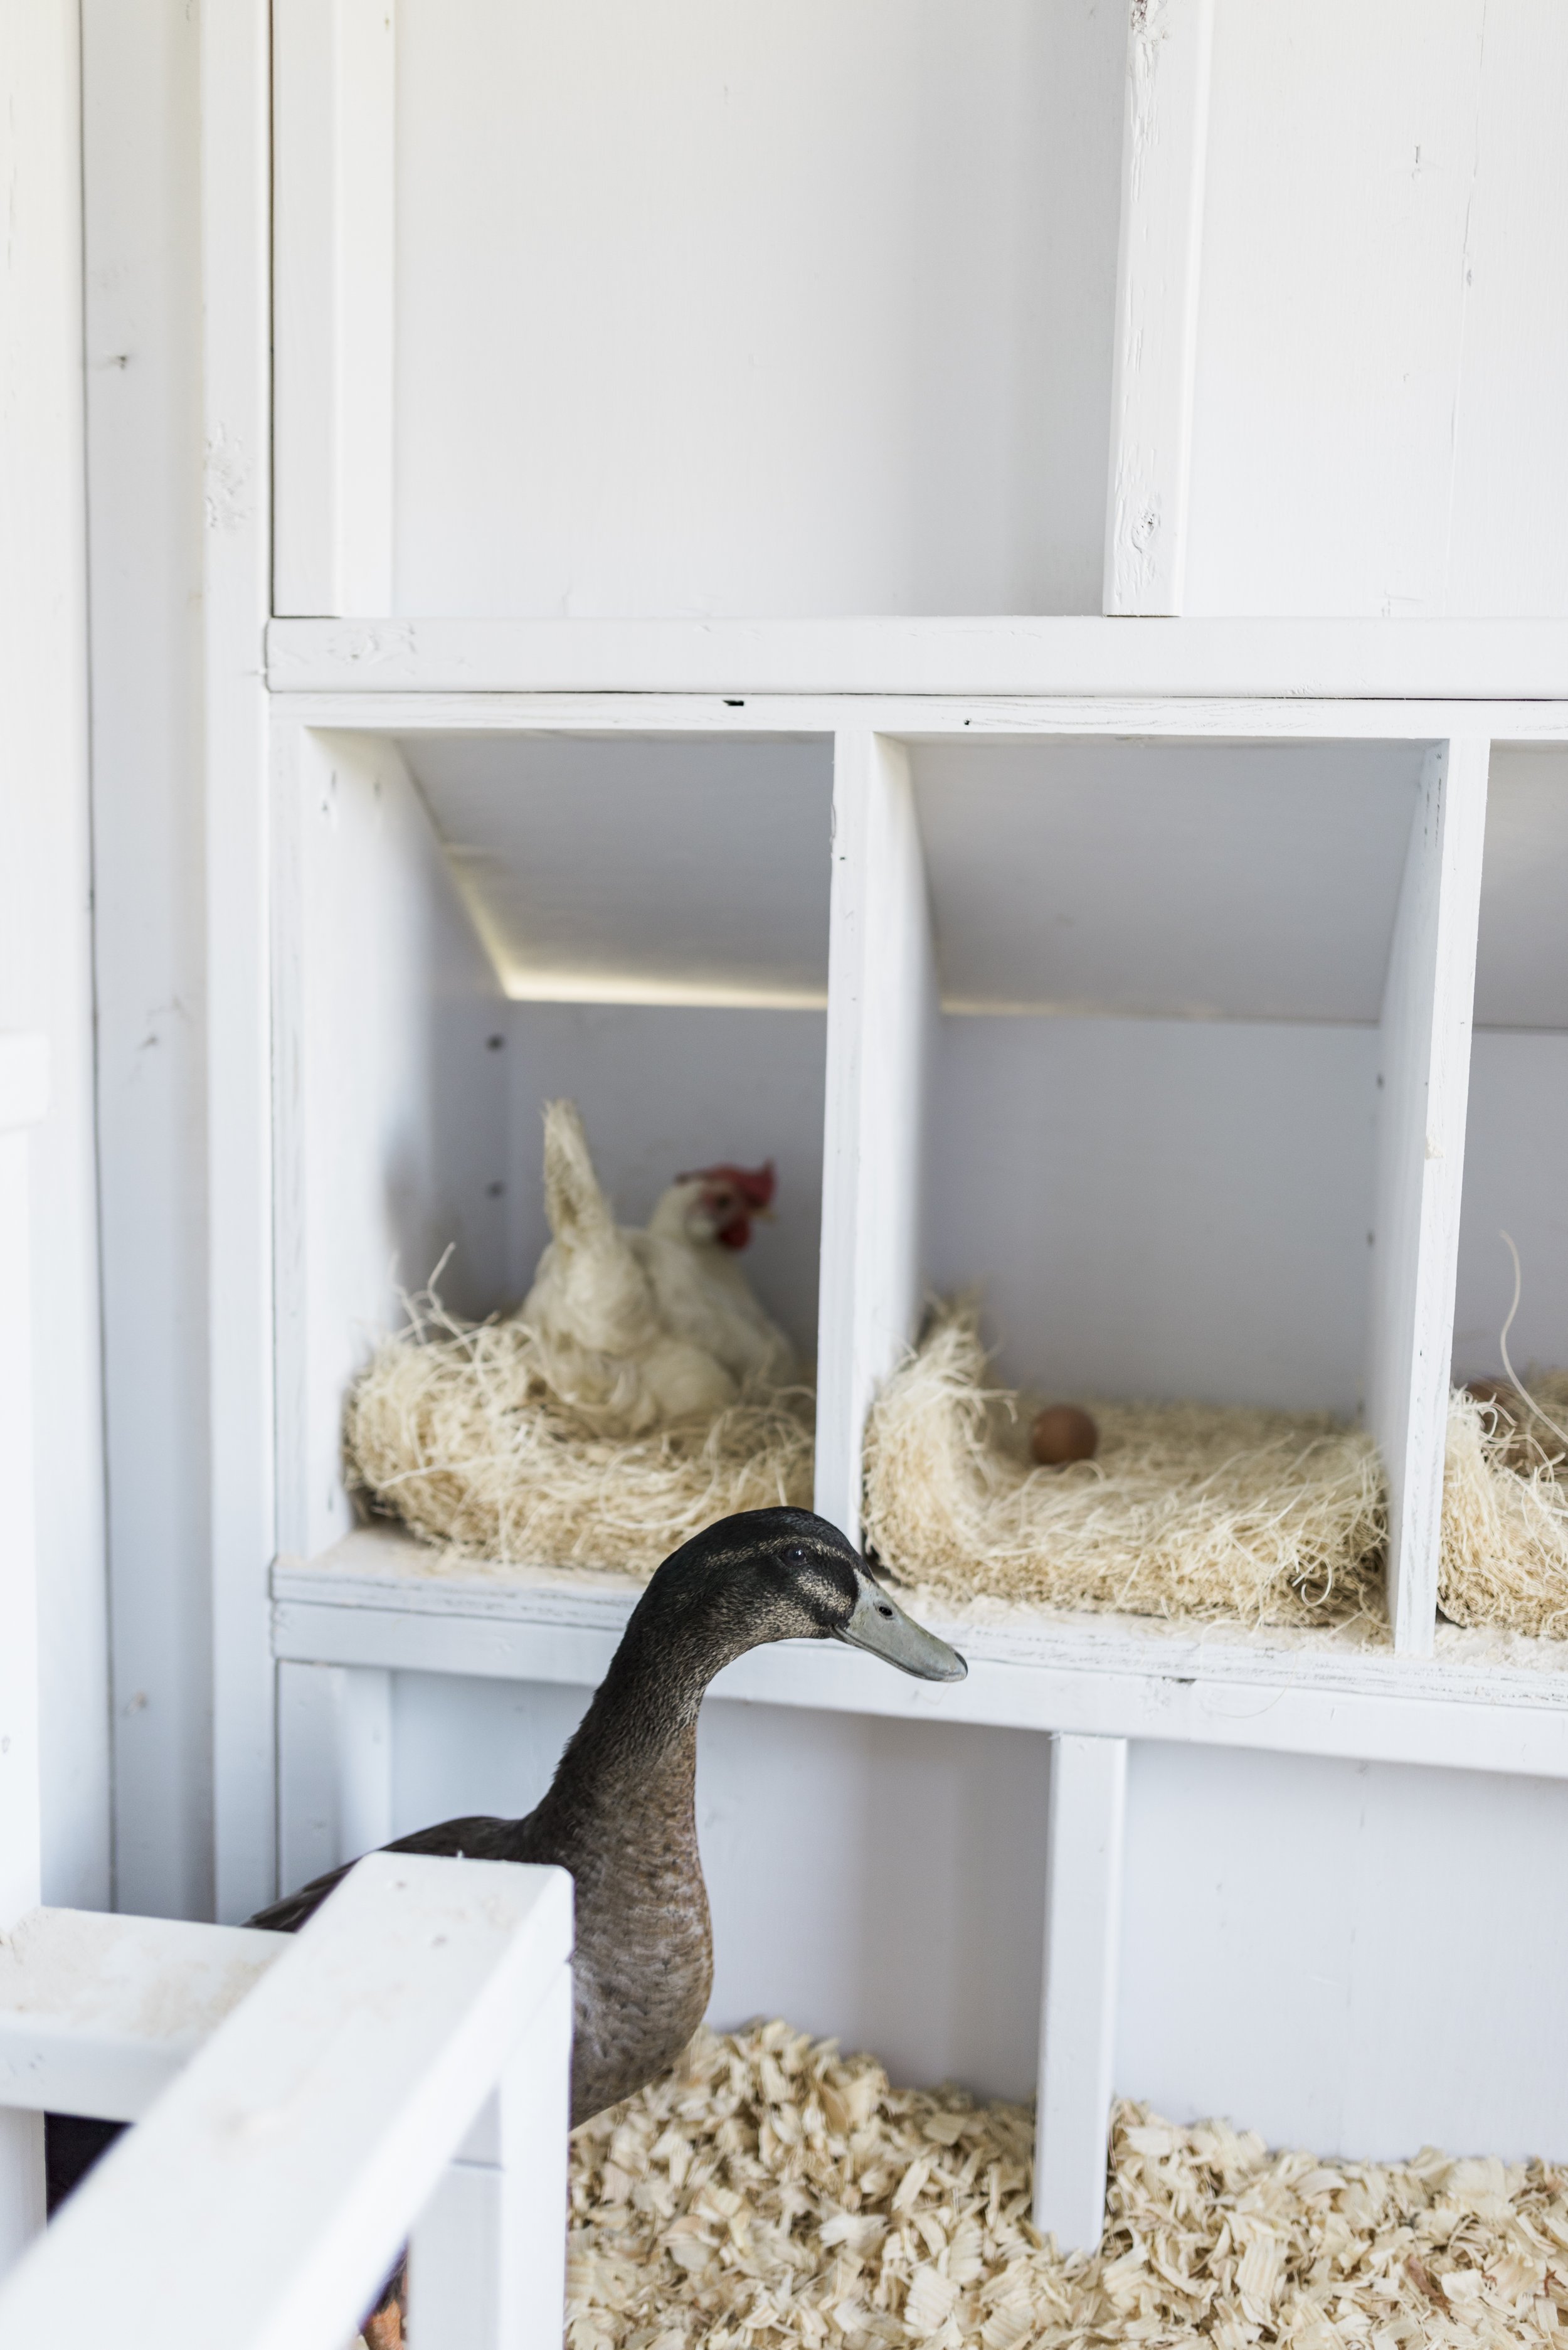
x=786, y=1575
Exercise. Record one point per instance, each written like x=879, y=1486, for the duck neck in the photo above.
x=636, y=1747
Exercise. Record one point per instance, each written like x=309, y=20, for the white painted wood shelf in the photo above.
x=382, y=1602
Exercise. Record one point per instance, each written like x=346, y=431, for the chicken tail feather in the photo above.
x=574, y=1204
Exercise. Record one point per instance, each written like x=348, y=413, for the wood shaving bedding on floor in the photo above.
x=770, y=2191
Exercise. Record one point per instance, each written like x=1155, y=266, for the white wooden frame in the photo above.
x=1164, y=132
x=24, y=1098
x=871, y=682
x=335, y=72
x=1092, y=1685
x=404, y=2061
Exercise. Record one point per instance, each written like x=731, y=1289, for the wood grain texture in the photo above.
x=334, y=95
x=1292, y=661
x=235, y=255
x=298, y=2144
x=881, y=1011
x=1476, y=1704
x=1078, y=1995
x=1425, y=1024
x=1164, y=145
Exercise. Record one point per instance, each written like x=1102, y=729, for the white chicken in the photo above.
x=639, y=1328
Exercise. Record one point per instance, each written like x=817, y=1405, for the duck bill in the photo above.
x=880, y=1625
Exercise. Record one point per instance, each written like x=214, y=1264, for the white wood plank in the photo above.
x=487, y=2260
x=142, y=232
x=334, y=1766
x=1480, y=1704
x=100, y=2014
x=881, y=1014
x=24, y=1098
x=1322, y=659
x=1078, y=1995
x=235, y=169
x=1420, y=1169
x=296, y=2146
x=334, y=104
x=1164, y=147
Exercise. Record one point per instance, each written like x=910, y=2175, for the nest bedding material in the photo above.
x=454, y=1427
x=771, y=2192
x=1188, y=1510
x=1504, y=1557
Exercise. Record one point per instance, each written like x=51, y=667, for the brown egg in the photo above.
x=1061, y=1433
x=1494, y=1391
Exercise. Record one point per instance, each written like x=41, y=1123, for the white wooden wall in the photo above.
x=867, y=440
x=45, y=942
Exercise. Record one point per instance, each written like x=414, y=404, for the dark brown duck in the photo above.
x=620, y=1813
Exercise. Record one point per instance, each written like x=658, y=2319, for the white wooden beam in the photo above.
x=334, y=1767
x=24, y=1098
x=881, y=1016
x=99, y=2014
x=1165, y=131
x=295, y=2149
x=235, y=249
x=1078, y=2000
x=1424, y=1081
x=487, y=2262
x=334, y=108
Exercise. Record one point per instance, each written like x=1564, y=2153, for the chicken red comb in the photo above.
x=755, y=1185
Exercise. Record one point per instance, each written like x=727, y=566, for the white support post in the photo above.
x=487, y=2260
x=1078, y=2002
x=1426, y=1060
x=23, y=1095
x=235, y=248
x=881, y=1021
x=334, y=1767
x=335, y=92
x=1164, y=132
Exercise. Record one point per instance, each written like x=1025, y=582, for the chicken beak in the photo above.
x=880, y=1625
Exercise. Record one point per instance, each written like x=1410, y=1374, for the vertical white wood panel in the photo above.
x=334, y=1767
x=1164, y=143
x=487, y=2262
x=334, y=259
x=1078, y=1999
x=46, y=901
x=23, y=1094
x=881, y=1014
x=1425, y=1036
x=234, y=257
x=141, y=161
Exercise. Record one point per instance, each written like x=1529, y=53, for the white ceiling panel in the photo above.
x=1183, y=880
x=652, y=871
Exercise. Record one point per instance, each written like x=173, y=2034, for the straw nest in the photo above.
x=1504, y=1557
x=770, y=2192
x=1187, y=1509
x=454, y=1427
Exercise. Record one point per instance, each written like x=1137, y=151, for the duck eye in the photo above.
x=795, y=1555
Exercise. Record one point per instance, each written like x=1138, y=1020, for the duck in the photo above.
x=620, y=1813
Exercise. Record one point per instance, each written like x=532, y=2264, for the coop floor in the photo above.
x=771, y=2192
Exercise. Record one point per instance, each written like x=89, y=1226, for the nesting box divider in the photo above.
x=1425, y=1038
x=882, y=1023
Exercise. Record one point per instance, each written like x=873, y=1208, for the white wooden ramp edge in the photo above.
x=423, y=2014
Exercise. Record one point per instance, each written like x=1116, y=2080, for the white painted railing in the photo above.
x=397, y=2070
